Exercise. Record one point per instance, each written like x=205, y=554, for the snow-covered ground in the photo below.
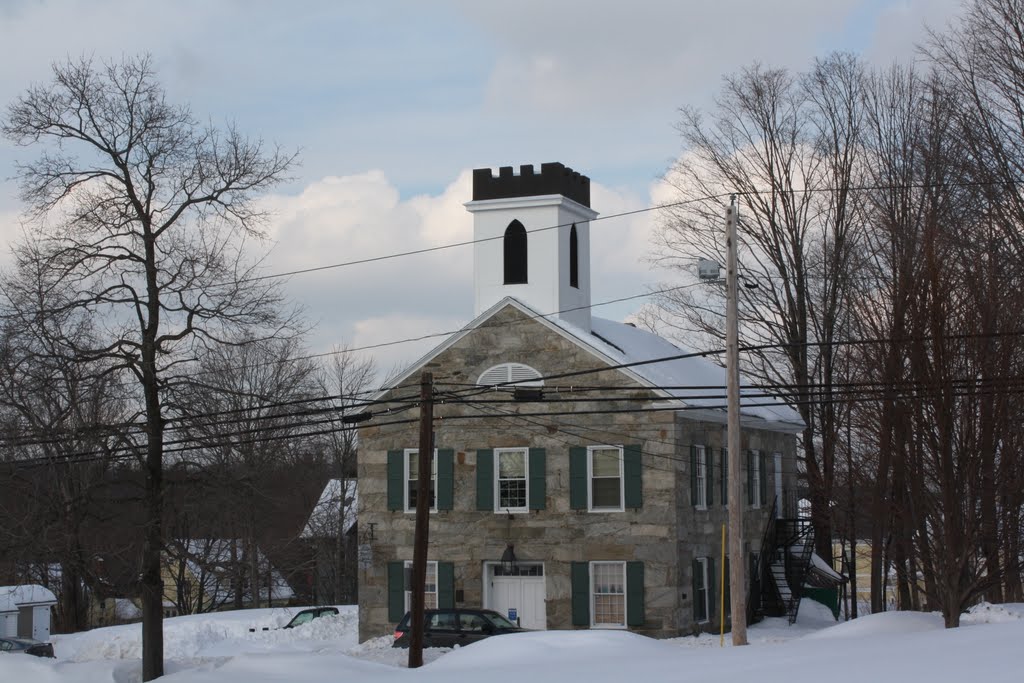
x=248, y=647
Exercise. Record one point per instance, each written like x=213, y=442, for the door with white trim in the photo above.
x=521, y=592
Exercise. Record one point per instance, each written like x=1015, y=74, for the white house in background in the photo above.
x=25, y=611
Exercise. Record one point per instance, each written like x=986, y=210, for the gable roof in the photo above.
x=323, y=521
x=207, y=558
x=11, y=597
x=635, y=345
x=618, y=344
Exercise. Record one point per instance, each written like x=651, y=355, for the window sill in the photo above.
x=609, y=627
x=603, y=510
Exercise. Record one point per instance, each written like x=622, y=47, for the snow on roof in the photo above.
x=822, y=567
x=627, y=344
x=622, y=343
x=323, y=521
x=126, y=609
x=28, y=594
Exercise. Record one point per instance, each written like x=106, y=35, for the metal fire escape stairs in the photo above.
x=781, y=568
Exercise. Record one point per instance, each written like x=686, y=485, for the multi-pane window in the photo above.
x=605, y=470
x=511, y=479
x=755, y=479
x=702, y=477
x=701, y=595
x=608, y=594
x=430, y=592
x=412, y=479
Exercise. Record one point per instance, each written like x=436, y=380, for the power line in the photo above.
x=790, y=393
x=761, y=347
x=622, y=214
x=187, y=445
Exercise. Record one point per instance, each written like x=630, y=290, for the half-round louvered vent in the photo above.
x=522, y=375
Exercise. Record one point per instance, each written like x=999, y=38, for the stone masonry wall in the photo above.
x=701, y=529
x=556, y=535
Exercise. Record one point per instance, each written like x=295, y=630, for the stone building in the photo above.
x=574, y=483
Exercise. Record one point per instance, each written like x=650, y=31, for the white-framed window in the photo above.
x=755, y=478
x=430, y=592
x=701, y=474
x=604, y=479
x=701, y=597
x=412, y=479
x=608, y=594
x=511, y=480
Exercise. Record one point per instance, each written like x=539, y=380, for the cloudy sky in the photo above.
x=392, y=103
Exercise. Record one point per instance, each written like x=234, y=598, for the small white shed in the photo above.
x=25, y=611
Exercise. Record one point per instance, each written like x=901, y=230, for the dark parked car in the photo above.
x=26, y=645
x=451, y=627
x=308, y=615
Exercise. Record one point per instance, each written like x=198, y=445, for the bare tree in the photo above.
x=53, y=410
x=789, y=146
x=347, y=378
x=142, y=213
x=248, y=404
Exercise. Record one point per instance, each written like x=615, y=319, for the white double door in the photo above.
x=522, y=595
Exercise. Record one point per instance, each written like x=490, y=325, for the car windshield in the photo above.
x=302, y=618
x=498, y=620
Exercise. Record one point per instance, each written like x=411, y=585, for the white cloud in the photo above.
x=348, y=218
x=390, y=327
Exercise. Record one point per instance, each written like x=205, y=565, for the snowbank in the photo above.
x=220, y=648
x=218, y=634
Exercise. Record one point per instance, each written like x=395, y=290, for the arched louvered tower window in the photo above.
x=574, y=258
x=522, y=375
x=515, y=254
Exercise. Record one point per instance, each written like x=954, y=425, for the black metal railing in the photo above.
x=788, y=541
x=755, y=595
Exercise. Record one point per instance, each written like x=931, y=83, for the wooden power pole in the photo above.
x=737, y=567
x=424, y=468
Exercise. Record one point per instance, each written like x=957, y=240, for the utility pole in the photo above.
x=424, y=469
x=737, y=567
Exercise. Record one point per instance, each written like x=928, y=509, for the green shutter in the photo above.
x=580, y=575
x=709, y=481
x=693, y=476
x=445, y=585
x=445, y=478
x=713, y=598
x=485, y=479
x=538, y=478
x=634, y=593
x=396, y=591
x=578, y=479
x=634, y=488
x=695, y=584
x=750, y=478
x=396, y=481
x=764, y=479
x=724, y=455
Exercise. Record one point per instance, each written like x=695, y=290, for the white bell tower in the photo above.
x=532, y=233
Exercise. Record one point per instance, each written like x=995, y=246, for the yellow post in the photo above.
x=721, y=594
